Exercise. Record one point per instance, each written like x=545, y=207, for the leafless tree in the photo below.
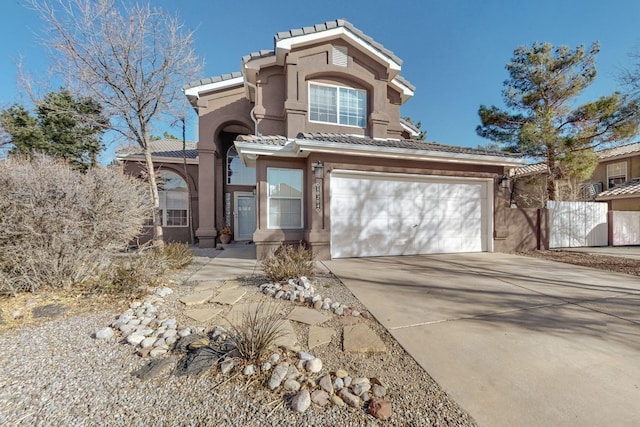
x=130, y=57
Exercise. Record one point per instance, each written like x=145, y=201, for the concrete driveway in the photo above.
x=516, y=341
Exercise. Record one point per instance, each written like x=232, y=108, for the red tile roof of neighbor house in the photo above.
x=609, y=153
x=620, y=151
x=171, y=148
x=630, y=188
x=410, y=144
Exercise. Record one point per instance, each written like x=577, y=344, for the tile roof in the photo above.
x=258, y=55
x=214, y=79
x=335, y=24
x=299, y=32
x=630, y=188
x=410, y=144
x=265, y=140
x=162, y=148
x=533, y=169
x=619, y=151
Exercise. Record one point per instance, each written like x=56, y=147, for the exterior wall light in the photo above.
x=318, y=169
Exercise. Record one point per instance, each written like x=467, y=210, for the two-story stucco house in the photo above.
x=618, y=175
x=306, y=144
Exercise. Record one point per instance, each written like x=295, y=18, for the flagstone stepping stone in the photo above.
x=203, y=314
x=361, y=339
x=207, y=285
x=49, y=310
x=229, y=284
x=289, y=340
x=319, y=336
x=229, y=296
x=307, y=315
x=197, y=298
x=238, y=311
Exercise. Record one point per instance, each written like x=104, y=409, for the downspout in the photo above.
x=253, y=110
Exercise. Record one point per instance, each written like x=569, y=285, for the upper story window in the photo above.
x=616, y=174
x=337, y=105
x=237, y=173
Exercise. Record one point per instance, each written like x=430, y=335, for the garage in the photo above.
x=379, y=214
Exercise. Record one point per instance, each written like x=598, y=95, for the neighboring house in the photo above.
x=618, y=174
x=174, y=186
x=306, y=144
x=615, y=180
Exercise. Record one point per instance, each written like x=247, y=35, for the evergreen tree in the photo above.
x=542, y=120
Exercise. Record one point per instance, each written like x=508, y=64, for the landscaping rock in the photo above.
x=303, y=355
x=291, y=385
x=349, y=398
x=378, y=390
x=184, y=332
x=360, y=389
x=148, y=342
x=279, y=373
x=197, y=362
x=164, y=291
x=325, y=384
x=227, y=366
x=380, y=408
x=104, y=334
x=341, y=373
x=184, y=343
x=301, y=401
x=292, y=372
x=313, y=365
x=338, y=384
x=274, y=358
x=157, y=352
x=249, y=370
x=152, y=369
x=319, y=336
x=135, y=339
x=320, y=397
x=336, y=400
x=266, y=366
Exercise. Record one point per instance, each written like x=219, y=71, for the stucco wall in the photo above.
x=525, y=229
x=171, y=234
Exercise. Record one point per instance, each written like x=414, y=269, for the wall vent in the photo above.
x=340, y=56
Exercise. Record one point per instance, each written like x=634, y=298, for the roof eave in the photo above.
x=159, y=159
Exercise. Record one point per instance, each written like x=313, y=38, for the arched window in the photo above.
x=174, y=199
x=237, y=173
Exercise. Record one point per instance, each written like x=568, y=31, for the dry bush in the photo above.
x=59, y=227
x=289, y=262
x=175, y=255
x=258, y=331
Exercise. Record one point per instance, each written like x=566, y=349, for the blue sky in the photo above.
x=454, y=51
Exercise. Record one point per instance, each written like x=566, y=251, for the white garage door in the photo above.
x=397, y=214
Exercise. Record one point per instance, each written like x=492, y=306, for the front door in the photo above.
x=244, y=215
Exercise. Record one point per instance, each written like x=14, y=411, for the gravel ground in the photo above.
x=55, y=374
x=601, y=262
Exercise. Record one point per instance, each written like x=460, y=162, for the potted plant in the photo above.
x=225, y=235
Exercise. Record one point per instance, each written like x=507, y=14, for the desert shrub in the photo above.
x=289, y=262
x=128, y=275
x=175, y=255
x=58, y=226
x=257, y=331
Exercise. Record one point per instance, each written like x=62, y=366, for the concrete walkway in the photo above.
x=236, y=260
x=516, y=341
